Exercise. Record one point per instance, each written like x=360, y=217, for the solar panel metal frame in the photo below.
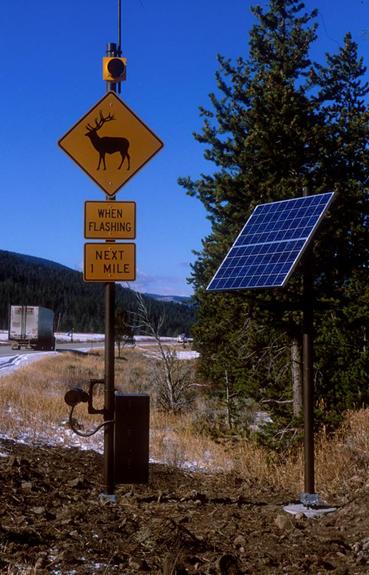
x=271, y=243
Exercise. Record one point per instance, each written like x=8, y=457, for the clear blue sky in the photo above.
x=51, y=76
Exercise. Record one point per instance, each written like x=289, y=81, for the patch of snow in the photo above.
x=187, y=354
x=63, y=337
x=148, y=338
x=78, y=337
x=180, y=355
x=261, y=418
x=55, y=436
x=10, y=362
x=195, y=466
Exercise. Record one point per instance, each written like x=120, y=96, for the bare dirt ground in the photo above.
x=52, y=520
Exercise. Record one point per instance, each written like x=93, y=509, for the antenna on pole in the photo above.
x=119, y=27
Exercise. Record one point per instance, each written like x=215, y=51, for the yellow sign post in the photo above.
x=109, y=262
x=110, y=220
x=110, y=143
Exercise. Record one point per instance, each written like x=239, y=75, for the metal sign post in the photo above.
x=109, y=411
x=109, y=482
x=110, y=143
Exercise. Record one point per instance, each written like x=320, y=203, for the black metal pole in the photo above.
x=109, y=399
x=119, y=50
x=308, y=377
x=109, y=411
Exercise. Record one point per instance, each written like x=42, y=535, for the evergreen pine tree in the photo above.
x=279, y=124
x=343, y=359
x=261, y=137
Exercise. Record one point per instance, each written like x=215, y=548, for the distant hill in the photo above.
x=29, y=280
x=174, y=298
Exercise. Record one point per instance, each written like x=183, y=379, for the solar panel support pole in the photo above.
x=309, y=496
x=308, y=378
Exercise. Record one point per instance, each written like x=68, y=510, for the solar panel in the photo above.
x=271, y=243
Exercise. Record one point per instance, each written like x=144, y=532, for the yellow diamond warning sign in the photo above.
x=109, y=262
x=110, y=143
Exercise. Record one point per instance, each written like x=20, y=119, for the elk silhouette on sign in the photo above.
x=107, y=144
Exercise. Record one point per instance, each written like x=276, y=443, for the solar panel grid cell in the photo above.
x=270, y=244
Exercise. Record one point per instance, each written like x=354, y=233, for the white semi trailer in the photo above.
x=32, y=327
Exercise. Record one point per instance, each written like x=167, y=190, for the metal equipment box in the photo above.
x=131, y=440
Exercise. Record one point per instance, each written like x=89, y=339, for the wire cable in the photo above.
x=88, y=433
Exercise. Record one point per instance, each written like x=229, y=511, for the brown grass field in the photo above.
x=32, y=408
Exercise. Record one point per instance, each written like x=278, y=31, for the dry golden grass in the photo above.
x=32, y=402
x=32, y=397
x=174, y=441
